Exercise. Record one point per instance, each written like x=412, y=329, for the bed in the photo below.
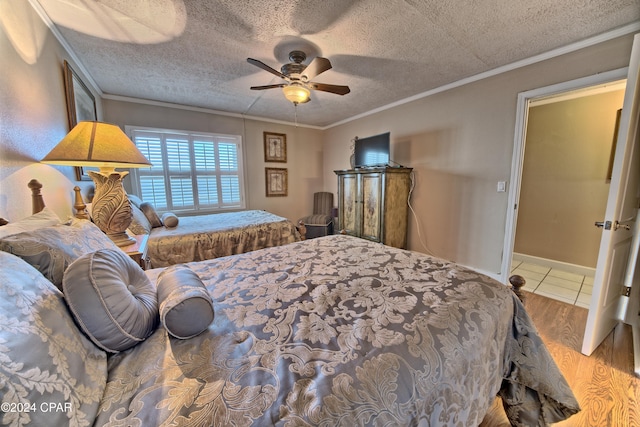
x=333, y=331
x=174, y=240
x=203, y=237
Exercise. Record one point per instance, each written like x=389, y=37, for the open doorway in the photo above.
x=558, y=232
x=564, y=188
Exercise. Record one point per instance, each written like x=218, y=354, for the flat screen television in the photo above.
x=372, y=151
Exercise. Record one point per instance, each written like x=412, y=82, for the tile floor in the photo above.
x=554, y=283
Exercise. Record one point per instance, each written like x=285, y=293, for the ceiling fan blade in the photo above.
x=267, y=86
x=318, y=66
x=265, y=67
x=337, y=89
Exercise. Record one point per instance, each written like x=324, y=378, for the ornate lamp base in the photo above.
x=111, y=210
x=122, y=239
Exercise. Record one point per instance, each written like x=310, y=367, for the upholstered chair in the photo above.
x=320, y=223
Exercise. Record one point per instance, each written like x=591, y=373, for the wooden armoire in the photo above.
x=373, y=203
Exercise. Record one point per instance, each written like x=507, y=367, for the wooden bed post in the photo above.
x=517, y=282
x=79, y=205
x=37, y=202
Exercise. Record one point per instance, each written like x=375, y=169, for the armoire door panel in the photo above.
x=371, y=200
x=349, y=208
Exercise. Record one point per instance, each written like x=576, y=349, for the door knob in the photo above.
x=617, y=225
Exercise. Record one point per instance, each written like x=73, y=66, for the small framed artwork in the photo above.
x=276, y=182
x=81, y=105
x=275, y=147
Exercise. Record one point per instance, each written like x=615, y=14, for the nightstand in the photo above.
x=138, y=251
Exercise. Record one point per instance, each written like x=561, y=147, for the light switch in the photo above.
x=502, y=186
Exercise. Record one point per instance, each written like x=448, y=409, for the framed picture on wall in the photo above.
x=81, y=105
x=276, y=182
x=275, y=147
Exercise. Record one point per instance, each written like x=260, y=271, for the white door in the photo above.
x=631, y=310
x=616, y=242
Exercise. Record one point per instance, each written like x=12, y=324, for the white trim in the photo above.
x=238, y=140
x=202, y=110
x=610, y=35
x=86, y=77
x=590, y=91
x=522, y=108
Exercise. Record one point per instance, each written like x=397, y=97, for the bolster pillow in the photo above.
x=186, y=308
x=169, y=220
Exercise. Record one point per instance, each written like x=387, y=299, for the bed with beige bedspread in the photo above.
x=175, y=240
x=202, y=237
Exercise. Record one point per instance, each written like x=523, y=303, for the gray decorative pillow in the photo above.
x=151, y=214
x=186, y=308
x=51, y=249
x=139, y=222
x=112, y=299
x=169, y=220
x=48, y=365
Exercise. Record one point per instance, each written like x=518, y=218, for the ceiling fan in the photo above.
x=298, y=77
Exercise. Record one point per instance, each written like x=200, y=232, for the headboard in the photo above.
x=37, y=202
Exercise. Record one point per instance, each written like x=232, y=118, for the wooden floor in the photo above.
x=604, y=383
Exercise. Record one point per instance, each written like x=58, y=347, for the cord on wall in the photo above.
x=415, y=216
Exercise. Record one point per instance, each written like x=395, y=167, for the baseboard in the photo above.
x=564, y=266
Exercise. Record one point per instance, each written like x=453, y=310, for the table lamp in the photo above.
x=105, y=146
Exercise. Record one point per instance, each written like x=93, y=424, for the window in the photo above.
x=191, y=171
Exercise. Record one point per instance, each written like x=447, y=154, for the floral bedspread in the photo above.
x=340, y=331
x=201, y=237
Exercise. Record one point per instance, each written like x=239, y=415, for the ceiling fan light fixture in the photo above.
x=296, y=93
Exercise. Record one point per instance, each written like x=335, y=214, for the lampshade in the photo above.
x=97, y=144
x=105, y=146
x=296, y=93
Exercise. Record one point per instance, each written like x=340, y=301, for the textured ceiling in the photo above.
x=194, y=52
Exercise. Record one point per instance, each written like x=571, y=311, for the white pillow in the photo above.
x=44, y=218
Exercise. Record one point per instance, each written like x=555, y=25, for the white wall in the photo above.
x=33, y=115
x=460, y=143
